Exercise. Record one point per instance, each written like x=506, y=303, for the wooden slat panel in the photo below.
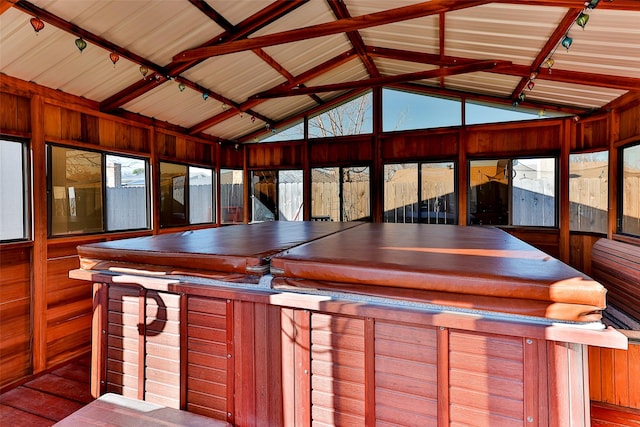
x=15, y=114
x=406, y=374
x=123, y=341
x=337, y=367
x=502, y=140
x=486, y=377
x=207, y=361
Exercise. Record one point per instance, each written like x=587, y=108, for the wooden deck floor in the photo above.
x=49, y=398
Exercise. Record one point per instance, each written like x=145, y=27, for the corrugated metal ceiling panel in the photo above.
x=495, y=84
x=572, y=94
x=506, y=32
x=167, y=103
x=237, y=11
x=236, y=76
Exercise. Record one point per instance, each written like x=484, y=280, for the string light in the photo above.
x=37, y=24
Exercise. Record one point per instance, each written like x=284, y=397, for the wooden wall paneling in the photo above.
x=90, y=129
x=15, y=313
x=443, y=376
x=52, y=125
x=39, y=212
x=340, y=152
x=564, y=216
x=547, y=240
x=580, y=251
x=463, y=177
x=107, y=132
x=69, y=309
x=634, y=373
x=70, y=125
x=613, y=375
x=165, y=145
x=591, y=134
x=629, y=122
x=437, y=145
x=15, y=114
x=288, y=347
x=522, y=139
x=532, y=381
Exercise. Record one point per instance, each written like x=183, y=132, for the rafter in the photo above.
x=340, y=11
x=552, y=42
x=559, y=75
x=329, y=28
x=6, y=5
x=253, y=23
x=306, y=76
x=381, y=81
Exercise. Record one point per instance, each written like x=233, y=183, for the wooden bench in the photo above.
x=617, y=266
x=117, y=411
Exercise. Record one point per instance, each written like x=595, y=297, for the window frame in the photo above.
x=103, y=190
x=26, y=192
x=419, y=186
x=620, y=190
x=510, y=159
x=187, y=200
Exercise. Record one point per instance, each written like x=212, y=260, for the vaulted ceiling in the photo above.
x=229, y=69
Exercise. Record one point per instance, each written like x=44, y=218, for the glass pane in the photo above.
x=291, y=133
x=439, y=203
x=290, y=195
x=355, y=194
x=201, y=205
x=231, y=196
x=351, y=118
x=478, y=113
x=405, y=110
x=589, y=191
x=173, y=207
x=325, y=194
x=12, y=191
x=127, y=193
x=401, y=193
x=534, y=192
x=263, y=197
x=76, y=193
x=489, y=192
x=631, y=190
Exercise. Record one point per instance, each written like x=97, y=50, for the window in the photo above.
x=479, y=113
x=127, y=193
x=282, y=189
x=14, y=191
x=340, y=193
x=588, y=191
x=351, y=118
x=405, y=110
x=201, y=200
x=93, y=192
x=75, y=191
x=186, y=195
x=629, y=222
x=513, y=192
x=433, y=184
x=231, y=196
x=291, y=133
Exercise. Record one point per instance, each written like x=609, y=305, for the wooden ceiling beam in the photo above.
x=577, y=77
x=340, y=11
x=6, y=5
x=306, y=76
x=548, y=49
x=328, y=28
x=253, y=23
x=631, y=5
x=381, y=81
